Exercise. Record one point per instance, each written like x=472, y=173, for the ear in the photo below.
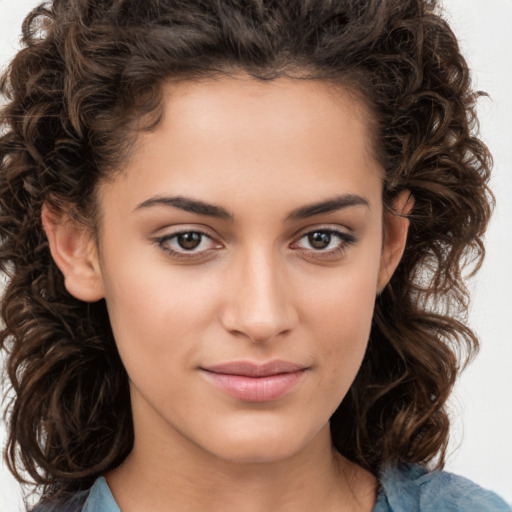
x=73, y=249
x=396, y=226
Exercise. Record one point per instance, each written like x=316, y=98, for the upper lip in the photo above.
x=250, y=369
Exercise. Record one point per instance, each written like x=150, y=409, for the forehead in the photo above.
x=283, y=106
x=308, y=95
x=241, y=138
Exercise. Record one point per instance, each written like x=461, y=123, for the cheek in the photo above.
x=157, y=316
x=344, y=300
x=341, y=314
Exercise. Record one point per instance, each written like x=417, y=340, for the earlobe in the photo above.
x=396, y=227
x=74, y=251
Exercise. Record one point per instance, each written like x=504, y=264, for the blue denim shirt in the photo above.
x=402, y=489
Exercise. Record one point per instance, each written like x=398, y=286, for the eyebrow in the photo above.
x=218, y=212
x=328, y=206
x=188, y=205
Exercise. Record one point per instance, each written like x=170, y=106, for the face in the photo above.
x=241, y=250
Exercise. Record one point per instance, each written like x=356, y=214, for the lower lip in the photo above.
x=255, y=389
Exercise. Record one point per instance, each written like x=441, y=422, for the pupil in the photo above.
x=189, y=240
x=319, y=240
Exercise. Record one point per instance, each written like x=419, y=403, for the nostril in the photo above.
x=259, y=324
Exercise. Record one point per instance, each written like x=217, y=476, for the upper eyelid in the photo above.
x=345, y=237
x=171, y=234
x=319, y=225
x=296, y=235
x=192, y=255
x=345, y=231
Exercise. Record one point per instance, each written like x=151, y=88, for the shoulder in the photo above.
x=73, y=504
x=97, y=499
x=412, y=487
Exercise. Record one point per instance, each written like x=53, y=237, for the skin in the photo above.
x=255, y=289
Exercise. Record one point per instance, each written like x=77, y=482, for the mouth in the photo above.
x=255, y=382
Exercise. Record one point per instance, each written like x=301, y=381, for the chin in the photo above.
x=261, y=452
x=259, y=446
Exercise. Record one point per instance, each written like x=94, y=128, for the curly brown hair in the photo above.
x=90, y=70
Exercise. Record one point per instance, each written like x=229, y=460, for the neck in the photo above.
x=185, y=477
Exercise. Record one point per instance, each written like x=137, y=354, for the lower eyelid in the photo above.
x=343, y=237
x=161, y=240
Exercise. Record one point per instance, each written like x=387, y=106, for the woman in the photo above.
x=234, y=234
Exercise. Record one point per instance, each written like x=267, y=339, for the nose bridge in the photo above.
x=260, y=304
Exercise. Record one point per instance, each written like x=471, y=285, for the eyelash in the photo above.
x=163, y=240
x=345, y=239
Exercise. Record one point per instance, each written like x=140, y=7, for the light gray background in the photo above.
x=481, y=444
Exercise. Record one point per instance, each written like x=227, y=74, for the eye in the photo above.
x=187, y=243
x=190, y=240
x=320, y=239
x=325, y=242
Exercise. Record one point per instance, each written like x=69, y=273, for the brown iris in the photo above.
x=189, y=240
x=319, y=239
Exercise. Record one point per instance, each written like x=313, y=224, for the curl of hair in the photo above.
x=91, y=70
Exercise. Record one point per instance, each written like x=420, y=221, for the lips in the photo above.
x=253, y=382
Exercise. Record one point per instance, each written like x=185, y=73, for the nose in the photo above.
x=260, y=303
